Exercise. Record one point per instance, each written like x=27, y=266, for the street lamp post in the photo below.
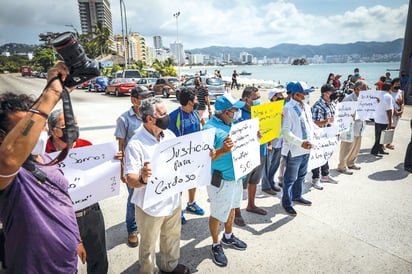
x=123, y=8
x=176, y=15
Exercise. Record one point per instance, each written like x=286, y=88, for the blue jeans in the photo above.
x=270, y=167
x=296, y=169
x=130, y=213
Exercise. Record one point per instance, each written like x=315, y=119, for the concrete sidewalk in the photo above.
x=361, y=225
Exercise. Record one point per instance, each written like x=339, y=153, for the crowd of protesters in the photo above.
x=36, y=208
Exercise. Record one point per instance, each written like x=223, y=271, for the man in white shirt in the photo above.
x=383, y=119
x=297, y=130
x=163, y=218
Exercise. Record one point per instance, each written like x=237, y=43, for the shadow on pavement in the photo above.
x=390, y=175
x=116, y=235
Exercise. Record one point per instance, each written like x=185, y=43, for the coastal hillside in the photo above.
x=367, y=49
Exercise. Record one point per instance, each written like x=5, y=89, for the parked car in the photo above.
x=84, y=85
x=127, y=73
x=166, y=86
x=120, y=86
x=147, y=82
x=214, y=85
x=100, y=83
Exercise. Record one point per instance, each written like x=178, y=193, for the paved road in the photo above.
x=361, y=225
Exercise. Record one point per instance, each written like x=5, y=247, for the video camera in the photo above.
x=81, y=67
x=337, y=96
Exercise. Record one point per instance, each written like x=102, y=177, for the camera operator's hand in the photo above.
x=61, y=70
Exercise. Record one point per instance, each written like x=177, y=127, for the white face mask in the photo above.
x=237, y=115
x=40, y=146
x=307, y=99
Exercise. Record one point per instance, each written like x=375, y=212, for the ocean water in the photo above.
x=314, y=74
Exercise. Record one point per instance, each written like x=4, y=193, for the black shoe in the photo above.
x=377, y=155
x=409, y=169
x=234, y=242
x=276, y=188
x=290, y=210
x=303, y=201
x=218, y=255
x=383, y=152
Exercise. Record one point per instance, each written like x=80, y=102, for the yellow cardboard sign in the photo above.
x=270, y=119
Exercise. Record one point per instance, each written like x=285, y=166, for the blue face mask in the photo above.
x=256, y=102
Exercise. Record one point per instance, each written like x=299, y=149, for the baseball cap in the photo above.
x=226, y=101
x=140, y=91
x=294, y=87
x=274, y=91
x=327, y=87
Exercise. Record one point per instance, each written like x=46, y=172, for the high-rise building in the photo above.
x=93, y=11
x=157, y=42
x=177, y=50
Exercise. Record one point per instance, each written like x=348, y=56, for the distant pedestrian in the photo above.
x=336, y=82
x=234, y=80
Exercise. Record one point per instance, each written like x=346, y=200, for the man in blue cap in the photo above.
x=225, y=193
x=297, y=130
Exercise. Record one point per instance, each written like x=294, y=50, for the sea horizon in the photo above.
x=313, y=74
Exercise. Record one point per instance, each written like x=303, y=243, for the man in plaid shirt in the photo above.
x=323, y=112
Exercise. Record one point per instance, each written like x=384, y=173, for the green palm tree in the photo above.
x=101, y=38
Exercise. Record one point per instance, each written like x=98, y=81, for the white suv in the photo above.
x=214, y=85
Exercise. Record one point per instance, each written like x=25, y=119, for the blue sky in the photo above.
x=235, y=23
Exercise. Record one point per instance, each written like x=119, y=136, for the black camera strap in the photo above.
x=41, y=176
x=71, y=131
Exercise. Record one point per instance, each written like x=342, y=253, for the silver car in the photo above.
x=214, y=85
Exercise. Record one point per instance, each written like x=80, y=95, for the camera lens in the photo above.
x=71, y=51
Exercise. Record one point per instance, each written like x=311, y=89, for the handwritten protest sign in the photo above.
x=245, y=150
x=368, y=100
x=92, y=172
x=179, y=164
x=270, y=119
x=324, y=143
x=345, y=112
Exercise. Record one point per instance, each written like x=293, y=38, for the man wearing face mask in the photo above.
x=274, y=152
x=89, y=219
x=225, y=193
x=126, y=124
x=348, y=152
x=251, y=97
x=185, y=120
x=323, y=113
x=297, y=130
x=163, y=218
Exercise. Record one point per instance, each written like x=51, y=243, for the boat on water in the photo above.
x=245, y=73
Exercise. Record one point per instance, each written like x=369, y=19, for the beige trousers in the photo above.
x=150, y=228
x=348, y=153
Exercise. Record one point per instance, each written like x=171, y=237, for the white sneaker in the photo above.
x=316, y=184
x=328, y=179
